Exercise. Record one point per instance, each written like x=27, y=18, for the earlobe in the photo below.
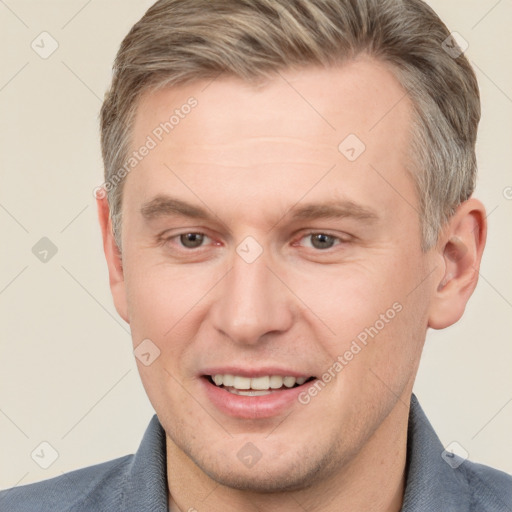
x=113, y=257
x=460, y=245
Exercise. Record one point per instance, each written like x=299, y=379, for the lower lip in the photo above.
x=252, y=407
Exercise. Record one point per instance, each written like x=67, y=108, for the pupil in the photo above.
x=191, y=240
x=322, y=241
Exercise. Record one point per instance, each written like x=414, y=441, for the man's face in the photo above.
x=255, y=248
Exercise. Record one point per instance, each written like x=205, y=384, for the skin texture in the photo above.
x=251, y=156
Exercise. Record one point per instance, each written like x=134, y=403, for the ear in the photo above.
x=460, y=248
x=113, y=256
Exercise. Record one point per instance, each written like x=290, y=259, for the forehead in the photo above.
x=354, y=96
x=278, y=138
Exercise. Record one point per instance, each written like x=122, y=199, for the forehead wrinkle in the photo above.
x=232, y=164
x=241, y=153
x=250, y=140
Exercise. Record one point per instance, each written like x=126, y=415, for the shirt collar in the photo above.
x=145, y=489
x=432, y=483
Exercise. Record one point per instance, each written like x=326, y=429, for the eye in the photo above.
x=192, y=240
x=321, y=241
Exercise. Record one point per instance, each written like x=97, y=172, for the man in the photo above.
x=286, y=210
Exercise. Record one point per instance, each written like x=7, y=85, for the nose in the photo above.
x=252, y=303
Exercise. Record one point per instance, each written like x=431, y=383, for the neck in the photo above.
x=373, y=480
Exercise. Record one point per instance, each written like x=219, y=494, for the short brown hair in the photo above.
x=180, y=41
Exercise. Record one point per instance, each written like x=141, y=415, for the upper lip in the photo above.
x=254, y=372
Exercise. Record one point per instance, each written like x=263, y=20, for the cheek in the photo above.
x=349, y=298
x=161, y=298
x=371, y=313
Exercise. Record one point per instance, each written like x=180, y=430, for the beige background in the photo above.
x=67, y=373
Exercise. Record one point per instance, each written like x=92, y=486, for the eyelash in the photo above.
x=337, y=240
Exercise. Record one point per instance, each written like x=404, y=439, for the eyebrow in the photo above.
x=334, y=210
x=166, y=206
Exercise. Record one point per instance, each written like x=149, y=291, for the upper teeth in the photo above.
x=267, y=382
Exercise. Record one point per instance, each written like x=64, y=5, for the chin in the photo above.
x=276, y=474
x=262, y=481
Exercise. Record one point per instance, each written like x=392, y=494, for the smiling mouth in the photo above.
x=256, y=386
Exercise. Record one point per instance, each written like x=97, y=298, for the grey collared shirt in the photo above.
x=436, y=481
